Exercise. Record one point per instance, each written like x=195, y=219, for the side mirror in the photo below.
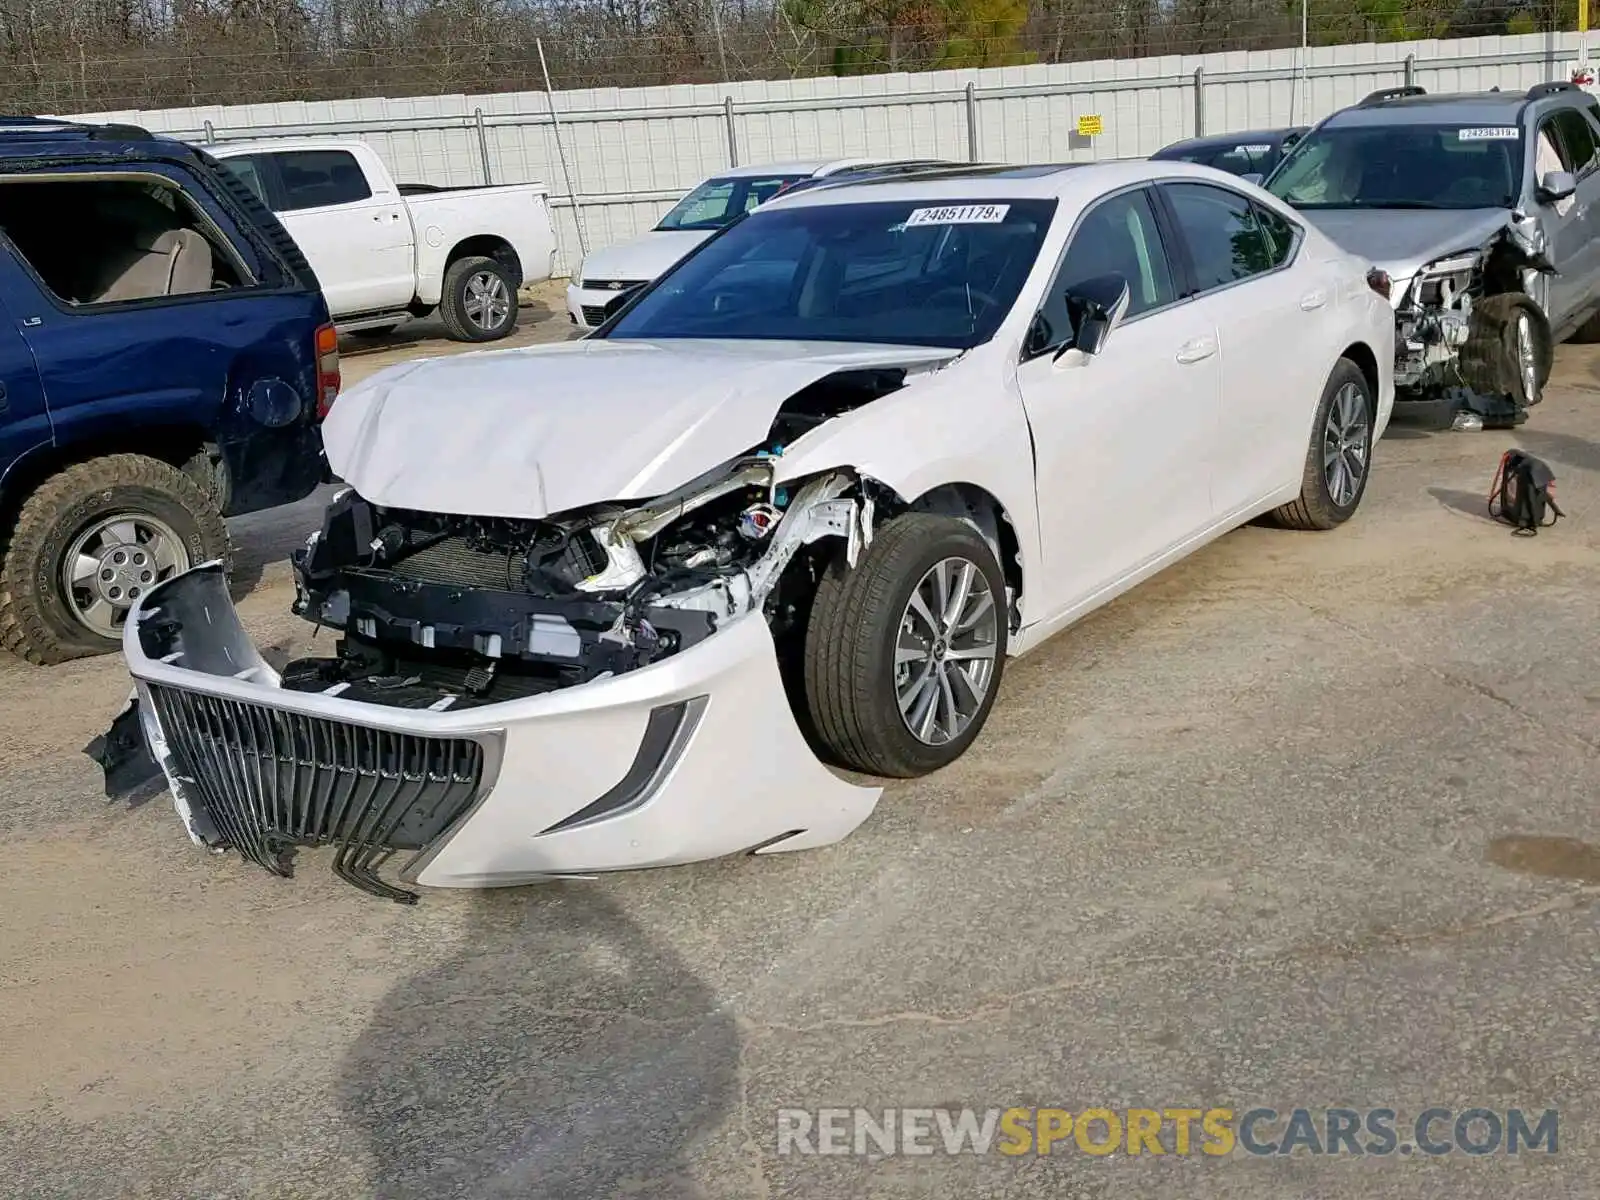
x=1254, y=177
x=1096, y=307
x=1557, y=185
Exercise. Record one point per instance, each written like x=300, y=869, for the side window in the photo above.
x=1279, y=233
x=247, y=169
x=1220, y=228
x=139, y=238
x=1118, y=236
x=318, y=178
x=1577, y=139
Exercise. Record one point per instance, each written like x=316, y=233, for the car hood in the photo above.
x=1400, y=240
x=643, y=258
x=532, y=432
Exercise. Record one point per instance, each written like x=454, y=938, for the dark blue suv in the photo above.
x=166, y=360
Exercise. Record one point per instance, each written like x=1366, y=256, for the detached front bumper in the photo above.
x=690, y=758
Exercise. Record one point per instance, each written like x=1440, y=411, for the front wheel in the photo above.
x=1339, y=458
x=89, y=543
x=1507, y=351
x=904, y=652
x=479, y=303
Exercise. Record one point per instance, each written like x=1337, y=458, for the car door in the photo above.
x=1275, y=319
x=24, y=419
x=359, y=243
x=1122, y=438
x=1577, y=221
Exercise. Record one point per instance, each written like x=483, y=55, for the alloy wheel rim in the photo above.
x=1344, y=445
x=488, y=300
x=1527, y=357
x=945, y=651
x=114, y=562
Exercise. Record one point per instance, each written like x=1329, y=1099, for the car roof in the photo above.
x=1046, y=181
x=1241, y=138
x=278, y=145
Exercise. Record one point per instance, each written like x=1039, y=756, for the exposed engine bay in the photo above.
x=445, y=612
x=1434, y=319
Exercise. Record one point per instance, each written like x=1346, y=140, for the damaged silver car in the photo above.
x=1474, y=210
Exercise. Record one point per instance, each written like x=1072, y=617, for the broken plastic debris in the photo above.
x=1469, y=422
x=757, y=521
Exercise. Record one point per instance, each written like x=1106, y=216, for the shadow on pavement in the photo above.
x=1561, y=449
x=561, y=1052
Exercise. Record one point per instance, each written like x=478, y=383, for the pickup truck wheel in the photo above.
x=1508, y=349
x=905, y=650
x=479, y=303
x=92, y=540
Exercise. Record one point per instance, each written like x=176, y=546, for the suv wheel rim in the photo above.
x=945, y=651
x=1527, y=357
x=1344, y=445
x=487, y=301
x=114, y=562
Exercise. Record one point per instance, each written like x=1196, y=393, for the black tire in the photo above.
x=456, y=304
x=1317, y=507
x=37, y=622
x=1491, y=359
x=854, y=630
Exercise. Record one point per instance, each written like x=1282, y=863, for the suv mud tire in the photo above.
x=479, y=303
x=863, y=617
x=1588, y=333
x=1508, y=350
x=1339, y=458
x=37, y=620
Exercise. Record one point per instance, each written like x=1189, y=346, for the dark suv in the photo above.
x=166, y=362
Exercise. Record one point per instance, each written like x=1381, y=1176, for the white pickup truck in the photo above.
x=385, y=251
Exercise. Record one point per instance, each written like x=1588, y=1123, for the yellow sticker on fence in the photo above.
x=1090, y=126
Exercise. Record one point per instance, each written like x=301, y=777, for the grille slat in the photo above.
x=272, y=780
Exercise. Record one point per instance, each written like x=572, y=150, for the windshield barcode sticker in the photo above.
x=1251, y=149
x=961, y=214
x=1490, y=133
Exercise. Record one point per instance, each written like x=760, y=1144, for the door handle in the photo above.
x=1313, y=300
x=1196, y=349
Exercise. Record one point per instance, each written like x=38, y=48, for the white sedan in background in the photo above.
x=607, y=277
x=617, y=603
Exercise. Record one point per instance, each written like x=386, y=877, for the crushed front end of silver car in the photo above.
x=1470, y=321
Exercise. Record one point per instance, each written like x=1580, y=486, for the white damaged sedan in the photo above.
x=627, y=601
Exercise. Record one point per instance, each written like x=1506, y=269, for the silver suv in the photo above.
x=1478, y=213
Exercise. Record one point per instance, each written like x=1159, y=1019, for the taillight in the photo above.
x=327, y=344
x=1379, y=282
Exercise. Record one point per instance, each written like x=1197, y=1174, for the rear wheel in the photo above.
x=1589, y=332
x=904, y=652
x=89, y=543
x=479, y=303
x=1339, y=458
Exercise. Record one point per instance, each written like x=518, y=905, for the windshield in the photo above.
x=1402, y=166
x=904, y=272
x=716, y=202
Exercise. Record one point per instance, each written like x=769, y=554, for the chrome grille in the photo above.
x=273, y=780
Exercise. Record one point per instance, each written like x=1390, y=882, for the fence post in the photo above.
x=211, y=134
x=972, y=123
x=733, y=140
x=561, y=151
x=1411, y=70
x=1199, y=101
x=483, y=146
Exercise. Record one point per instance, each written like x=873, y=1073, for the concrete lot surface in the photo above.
x=1310, y=820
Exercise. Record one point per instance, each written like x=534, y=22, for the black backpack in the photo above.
x=1522, y=492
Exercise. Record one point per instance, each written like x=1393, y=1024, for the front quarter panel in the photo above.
x=963, y=423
